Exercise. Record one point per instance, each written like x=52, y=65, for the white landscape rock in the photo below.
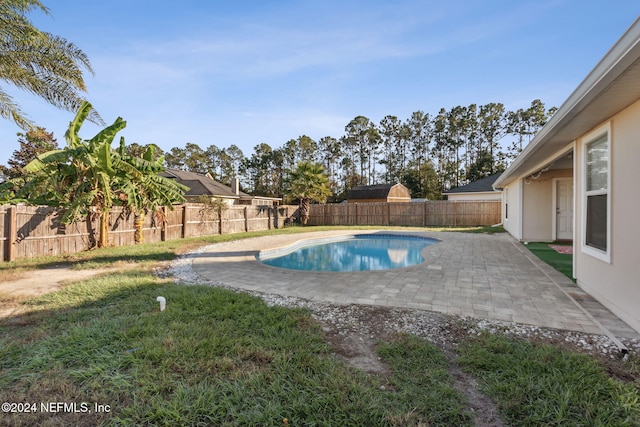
x=436, y=327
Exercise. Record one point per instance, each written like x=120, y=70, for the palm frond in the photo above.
x=9, y=109
x=44, y=64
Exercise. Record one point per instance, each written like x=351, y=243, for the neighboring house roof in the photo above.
x=376, y=191
x=202, y=185
x=484, y=185
x=610, y=87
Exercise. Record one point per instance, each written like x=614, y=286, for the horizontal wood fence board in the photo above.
x=424, y=214
x=31, y=231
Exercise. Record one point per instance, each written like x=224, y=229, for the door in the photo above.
x=564, y=209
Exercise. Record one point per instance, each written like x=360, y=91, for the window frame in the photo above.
x=587, y=140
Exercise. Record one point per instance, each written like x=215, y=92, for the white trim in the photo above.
x=608, y=73
x=494, y=192
x=554, y=207
x=576, y=227
x=505, y=204
x=545, y=163
x=586, y=140
x=521, y=207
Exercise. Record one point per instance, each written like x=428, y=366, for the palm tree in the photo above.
x=38, y=62
x=308, y=182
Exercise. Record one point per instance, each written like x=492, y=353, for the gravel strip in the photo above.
x=440, y=329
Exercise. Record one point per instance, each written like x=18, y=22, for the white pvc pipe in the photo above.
x=163, y=302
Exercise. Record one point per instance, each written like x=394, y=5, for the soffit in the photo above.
x=612, y=86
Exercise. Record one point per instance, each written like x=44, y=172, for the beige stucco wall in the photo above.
x=616, y=284
x=494, y=195
x=511, y=209
x=537, y=200
x=530, y=202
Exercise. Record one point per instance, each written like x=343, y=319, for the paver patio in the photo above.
x=478, y=275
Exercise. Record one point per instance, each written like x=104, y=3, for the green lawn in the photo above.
x=539, y=385
x=561, y=262
x=213, y=357
x=217, y=357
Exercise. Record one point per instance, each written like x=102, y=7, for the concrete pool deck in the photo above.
x=483, y=276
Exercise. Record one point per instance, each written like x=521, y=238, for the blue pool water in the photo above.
x=357, y=253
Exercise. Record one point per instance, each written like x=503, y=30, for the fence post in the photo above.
x=184, y=221
x=388, y=213
x=357, y=217
x=11, y=233
x=246, y=220
x=163, y=228
x=455, y=214
x=424, y=214
x=269, y=218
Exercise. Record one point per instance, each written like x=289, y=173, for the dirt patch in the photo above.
x=33, y=283
x=354, y=331
x=359, y=351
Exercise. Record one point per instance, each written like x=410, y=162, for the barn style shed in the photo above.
x=392, y=193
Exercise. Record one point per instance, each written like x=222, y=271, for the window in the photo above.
x=596, y=224
x=506, y=205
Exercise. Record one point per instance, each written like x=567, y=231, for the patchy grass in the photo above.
x=561, y=262
x=423, y=384
x=216, y=357
x=538, y=384
x=213, y=357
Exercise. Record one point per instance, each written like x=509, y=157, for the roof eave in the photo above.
x=621, y=57
x=473, y=192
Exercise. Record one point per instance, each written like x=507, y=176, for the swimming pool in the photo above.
x=363, y=252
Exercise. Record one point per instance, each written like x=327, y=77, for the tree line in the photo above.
x=427, y=153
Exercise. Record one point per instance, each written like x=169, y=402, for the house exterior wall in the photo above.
x=511, y=208
x=198, y=199
x=537, y=212
x=493, y=195
x=257, y=202
x=615, y=284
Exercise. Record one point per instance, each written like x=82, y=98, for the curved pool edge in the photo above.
x=265, y=254
x=451, y=264
x=271, y=253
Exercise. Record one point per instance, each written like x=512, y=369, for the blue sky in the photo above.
x=251, y=72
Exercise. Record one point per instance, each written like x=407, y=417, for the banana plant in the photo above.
x=88, y=177
x=142, y=190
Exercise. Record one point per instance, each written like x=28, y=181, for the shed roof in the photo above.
x=376, y=191
x=484, y=185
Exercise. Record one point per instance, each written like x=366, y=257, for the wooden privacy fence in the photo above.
x=433, y=213
x=31, y=231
